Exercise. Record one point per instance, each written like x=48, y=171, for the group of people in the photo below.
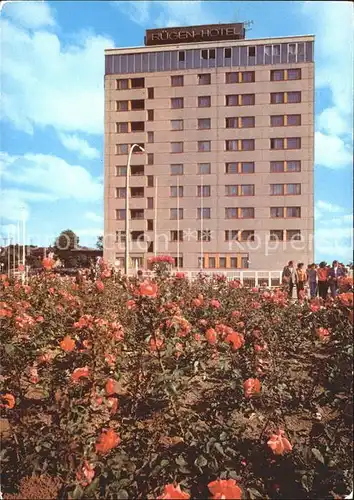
x=319, y=278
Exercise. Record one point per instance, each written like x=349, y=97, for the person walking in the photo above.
x=312, y=279
x=334, y=273
x=322, y=276
x=301, y=279
x=289, y=278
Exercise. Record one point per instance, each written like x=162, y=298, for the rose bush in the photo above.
x=174, y=389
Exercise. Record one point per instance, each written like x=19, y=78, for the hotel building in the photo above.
x=226, y=123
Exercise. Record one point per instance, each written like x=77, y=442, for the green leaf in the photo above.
x=318, y=455
x=220, y=449
x=9, y=349
x=181, y=461
x=201, y=461
x=164, y=463
x=253, y=493
x=122, y=495
x=306, y=483
x=91, y=488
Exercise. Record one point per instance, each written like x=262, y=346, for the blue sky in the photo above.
x=52, y=67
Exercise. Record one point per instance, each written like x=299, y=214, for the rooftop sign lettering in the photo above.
x=212, y=32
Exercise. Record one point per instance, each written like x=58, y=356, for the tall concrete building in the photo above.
x=226, y=123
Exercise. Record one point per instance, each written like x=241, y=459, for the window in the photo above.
x=247, y=167
x=247, y=144
x=231, y=168
x=233, y=262
x=277, y=75
x=123, y=84
x=176, y=235
x=231, y=122
x=150, y=158
x=277, y=143
x=121, y=170
x=294, y=97
x=251, y=51
x=276, y=50
x=212, y=262
x=222, y=262
x=177, y=102
x=294, y=74
x=293, y=143
x=176, y=147
x=227, y=53
x=247, y=235
x=120, y=237
x=277, y=98
x=204, y=101
x=247, y=213
x=247, y=122
x=276, y=166
x=293, y=234
x=177, y=81
x=293, y=166
x=181, y=55
x=277, y=189
x=204, y=123
x=205, y=54
x=231, y=100
x=150, y=92
x=176, y=169
x=176, y=191
x=137, y=126
x=293, y=188
x=120, y=192
x=137, y=104
x=137, y=235
x=231, y=145
x=176, y=213
x=204, y=146
x=150, y=115
x=276, y=235
x=231, y=77
x=293, y=120
x=122, y=128
x=122, y=149
x=208, y=54
x=150, y=203
x=178, y=261
x=247, y=76
x=247, y=190
x=201, y=262
x=204, y=235
x=150, y=225
x=120, y=214
x=232, y=235
x=122, y=105
x=204, y=168
x=137, y=83
x=137, y=169
x=137, y=214
x=150, y=247
x=150, y=181
x=212, y=54
x=204, y=213
x=137, y=192
x=277, y=121
x=203, y=191
x=293, y=212
x=204, y=79
x=231, y=213
x=277, y=212
x=247, y=99
x=176, y=124
x=231, y=190
x=150, y=136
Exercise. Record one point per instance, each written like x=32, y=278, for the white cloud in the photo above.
x=45, y=83
x=29, y=14
x=80, y=146
x=331, y=151
x=93, y=217
x=52, y=177
x=331, y=121
x=328, y=207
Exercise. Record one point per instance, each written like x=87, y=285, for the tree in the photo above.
x=99, y=243
x=67, y=240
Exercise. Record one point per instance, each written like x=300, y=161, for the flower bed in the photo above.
x=173, y=389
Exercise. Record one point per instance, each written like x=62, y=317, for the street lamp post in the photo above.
x=126, y=260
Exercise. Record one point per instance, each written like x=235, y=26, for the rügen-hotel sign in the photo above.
x=205, y=33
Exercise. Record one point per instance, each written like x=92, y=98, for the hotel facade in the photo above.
x=225, y=181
